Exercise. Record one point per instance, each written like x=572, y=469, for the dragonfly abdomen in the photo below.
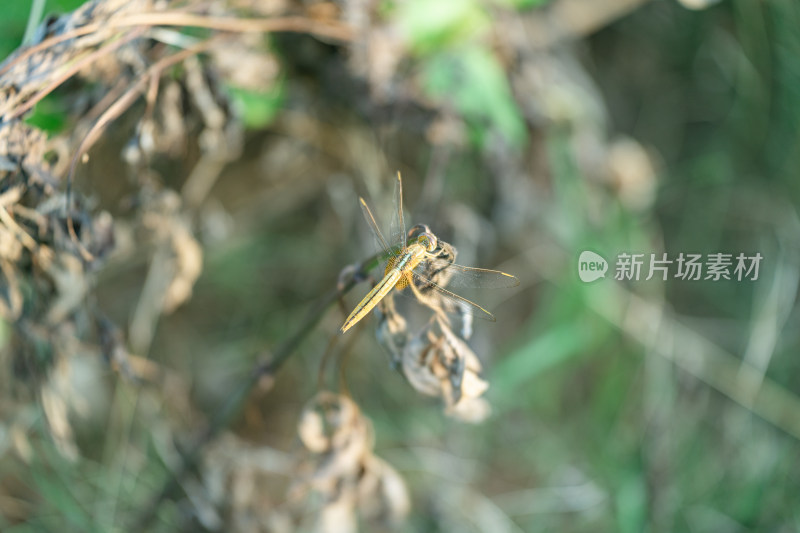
x=372, y=298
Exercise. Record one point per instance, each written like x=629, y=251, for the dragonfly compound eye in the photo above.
x=428, y=240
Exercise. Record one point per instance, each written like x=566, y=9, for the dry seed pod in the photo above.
x=236, y=478
x=382, y=493
x=438, y=363
x=333, y=428
x=632, y=174
x=342, y=468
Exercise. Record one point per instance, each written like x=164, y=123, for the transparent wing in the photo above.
x=450, y=302
x=374, y=227
x=459, y=276
x=398, y=227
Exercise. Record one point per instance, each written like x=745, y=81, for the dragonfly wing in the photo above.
x=374, y=227
x=398, y=227
x=449, y=301
x=459, y=276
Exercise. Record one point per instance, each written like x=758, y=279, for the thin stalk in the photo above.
x=267, y=367
x=37, y=10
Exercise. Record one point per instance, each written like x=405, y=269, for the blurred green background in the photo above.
x=16, y=16
x=526, y=133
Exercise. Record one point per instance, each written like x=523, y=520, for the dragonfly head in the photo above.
x=428, y=241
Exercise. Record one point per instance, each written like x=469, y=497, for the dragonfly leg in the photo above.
x=430, y=302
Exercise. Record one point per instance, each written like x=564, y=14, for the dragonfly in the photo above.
x=415, y=259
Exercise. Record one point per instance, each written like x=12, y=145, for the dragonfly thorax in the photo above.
x=391, y=265
x=404, y=263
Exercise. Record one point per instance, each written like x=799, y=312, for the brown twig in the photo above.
x=71, y=71
x=326, y=355
x=141, y=21
x=331, y=30
x=112, y=113
x=48, y=43
x=267, y=367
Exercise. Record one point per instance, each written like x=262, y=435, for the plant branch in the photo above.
x=267, y=367
x=331, y=29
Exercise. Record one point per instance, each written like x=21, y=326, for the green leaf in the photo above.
x=631, y=500
x=63, y=6
x=522, y=5
x=258, y=108
x=431, y=26
x=475, y=82
x=48, y=115
x=542, y=352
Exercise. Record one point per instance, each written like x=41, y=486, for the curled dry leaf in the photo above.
x=185, y=257
x=338, y=515
x=447, y=130
x=22, y=147
x=188, y=256
x=237, y=476
x=222, y=136
x=382, y=493
x=378, y=49
x=10, y=246
x=162, y=132
x=245, y=63
x=11, y=304
x=70, y=284
x=56, y=411
x=439, y=363
x=632, y=174
x=332, y=427
x=341, y=468
x=385, y=49
x=436, y=361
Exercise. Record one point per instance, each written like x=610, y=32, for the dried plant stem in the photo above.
x=14, y=296
x=107, y=100
x=267, y=367
x=202, y=179
x=26, y=240
x=22, y=108
x=141, y=22
x=151, y=96
x=112, y=113
x=124, y=102
x=332, y=29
